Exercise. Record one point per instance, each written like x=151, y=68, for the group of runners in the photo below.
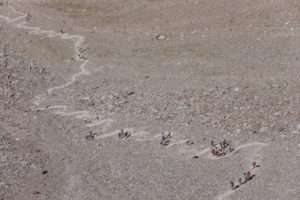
x=221, y=149
x=247, y=176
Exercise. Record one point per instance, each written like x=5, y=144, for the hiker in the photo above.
x=61, y=31
x=161, y=142
x=240, y=181
x=232, y=184
x=28, y=17
x=254, y=164
x=121, y=134
x=213, y=151
x=126, y=134
x=91, y=136
x=169, y=135
x=164, y=142
x=223, y=142
x=164, y=136
x=223, y=152
x=221, y=146
x=212, y=143
x=216, y=148
x=248, y=174
x=165, y=139
x=1, y=3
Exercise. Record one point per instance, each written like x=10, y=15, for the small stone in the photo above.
x=86, y=98
x=263, y=129
x=236, y=89
x=35, y=192
x=2, y=117
x=160, y=37
x=88, y=121
x=277, y=113
x=45, y=172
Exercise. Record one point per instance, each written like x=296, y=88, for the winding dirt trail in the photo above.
x=78, y=43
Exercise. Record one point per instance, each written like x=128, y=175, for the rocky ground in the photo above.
x=200, y=69
x=20, y=153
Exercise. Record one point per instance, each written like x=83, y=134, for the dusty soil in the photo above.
x=201, y=69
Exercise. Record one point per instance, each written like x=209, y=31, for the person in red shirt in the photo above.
x=240, y=181
x=248, y=174
x=28, y=17
x=223, y=142
x=254, y=164
x=213, y=151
